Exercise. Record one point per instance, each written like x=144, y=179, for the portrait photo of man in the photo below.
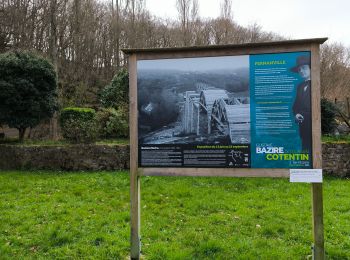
x=302, y=104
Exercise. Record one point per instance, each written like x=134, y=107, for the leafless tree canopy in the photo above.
x=226, y=9
x=83, y=38
x=335, y=71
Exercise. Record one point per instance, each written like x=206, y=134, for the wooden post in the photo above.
x=318, y=252
x=134, y=176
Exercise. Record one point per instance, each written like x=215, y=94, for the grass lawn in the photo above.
x=30, y=142
x=86, y=216
x=125, y=141
x=336, y=139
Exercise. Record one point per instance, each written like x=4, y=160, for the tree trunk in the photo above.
x=21, y=133
x=54, y=127
x=53, y=55
x=30, y=133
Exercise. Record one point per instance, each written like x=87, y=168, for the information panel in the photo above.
x=248, y=111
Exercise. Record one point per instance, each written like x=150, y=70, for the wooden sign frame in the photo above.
x=311, y=45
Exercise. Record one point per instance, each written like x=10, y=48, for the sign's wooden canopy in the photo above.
x=227, y=46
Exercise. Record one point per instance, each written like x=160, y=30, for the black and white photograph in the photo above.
x=203, y=100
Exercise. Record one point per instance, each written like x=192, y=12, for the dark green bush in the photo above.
x=113, y=122
x=116, y=94
x=102, y=117
x=118, y=124
x=27, y=90
x=78, y=124
x=328, y=113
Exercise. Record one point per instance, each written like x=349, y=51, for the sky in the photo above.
x=295, y=19
x=196, y=64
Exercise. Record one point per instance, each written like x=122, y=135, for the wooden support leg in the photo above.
x=135, y=215
x=317, y=222
x=134, y=176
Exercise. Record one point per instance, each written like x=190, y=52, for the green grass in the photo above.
x=29, y=142
x=48, y=215
x=113, y=141
x=124, y=141
x=336, y=139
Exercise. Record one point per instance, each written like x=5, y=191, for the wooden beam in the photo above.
x=207, y=52
x=134, y=177
x=250, y=45
x=317, y=221
x=215, y=172
x=316, y=188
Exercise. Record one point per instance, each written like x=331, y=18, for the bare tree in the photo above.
x=226, y=10
x=335, y=71
x=84, y=38
x=53, y=56
x=183, y=8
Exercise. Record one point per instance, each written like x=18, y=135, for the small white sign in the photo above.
x=306, y=175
